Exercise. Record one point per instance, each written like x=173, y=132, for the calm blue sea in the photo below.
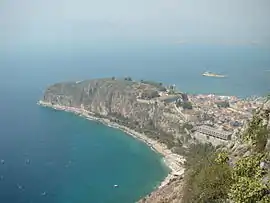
x=73, y=160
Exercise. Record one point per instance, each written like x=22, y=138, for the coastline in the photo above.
x=173, y=161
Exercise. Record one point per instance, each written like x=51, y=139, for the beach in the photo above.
x=173, y=161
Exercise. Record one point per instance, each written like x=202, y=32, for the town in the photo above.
x=211, y=115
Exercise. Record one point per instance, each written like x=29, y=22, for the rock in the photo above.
x=172, y=193
x=117, y=99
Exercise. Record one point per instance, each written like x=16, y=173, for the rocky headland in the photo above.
x=149, y=111
x=133, y=107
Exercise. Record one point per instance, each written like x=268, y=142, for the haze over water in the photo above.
x=56, y=157
x=75, y=160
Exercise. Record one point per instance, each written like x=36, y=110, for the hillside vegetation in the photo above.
x=238, y=173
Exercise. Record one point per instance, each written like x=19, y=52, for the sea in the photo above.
x=49, y=156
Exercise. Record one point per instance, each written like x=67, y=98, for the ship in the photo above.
x=210, y=74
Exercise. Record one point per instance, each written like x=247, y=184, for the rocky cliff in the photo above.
x=238, y=172
x=118, y=100
x=171, y=193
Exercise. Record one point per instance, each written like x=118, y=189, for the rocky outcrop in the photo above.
x=117, y=99
x=129, y=103
x=171, y=193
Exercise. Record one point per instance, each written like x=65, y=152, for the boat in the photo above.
x=210, y=74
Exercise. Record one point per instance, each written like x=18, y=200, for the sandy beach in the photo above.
x=173, y=161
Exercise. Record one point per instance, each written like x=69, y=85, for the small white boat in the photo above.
x=115, y=186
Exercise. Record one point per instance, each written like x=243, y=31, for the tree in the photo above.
x=149, y=94
x=188, y=126
x=223, y=104
x=214, y=182
x=187, y=105
x=205, y=180
x=128, y=78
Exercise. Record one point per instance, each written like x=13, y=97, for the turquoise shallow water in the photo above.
x=74, y=160
x=71, y=159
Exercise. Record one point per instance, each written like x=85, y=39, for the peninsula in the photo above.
x=185, y=129
x=137, y=108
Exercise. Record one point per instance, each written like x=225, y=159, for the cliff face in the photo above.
x=245, y=139
x=117, y=99
x=171, y=193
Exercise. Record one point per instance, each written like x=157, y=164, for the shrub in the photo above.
x=249, y=167
x=222, y=158
x=187, y=105
x=256, y=134
x=247, y=186
x=248, y=190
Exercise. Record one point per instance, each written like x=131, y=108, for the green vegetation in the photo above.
x=188, y=126
x=256, y=133
x=247, y=186
x=223, y=104
x=248, y=190
x=148, y=128
x=214, y=176
x=187, y=105
x=158, y=85
x=184, y=105
x=128, y=78
x=149, y=94
x=198, y=153
x=247, y=173
x=222, y=158
x=205, y=180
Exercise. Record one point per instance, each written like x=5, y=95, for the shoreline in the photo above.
x=172, y=161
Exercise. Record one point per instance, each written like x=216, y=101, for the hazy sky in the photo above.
x=176, y=21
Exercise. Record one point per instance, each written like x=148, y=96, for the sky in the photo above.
x=51, y=22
